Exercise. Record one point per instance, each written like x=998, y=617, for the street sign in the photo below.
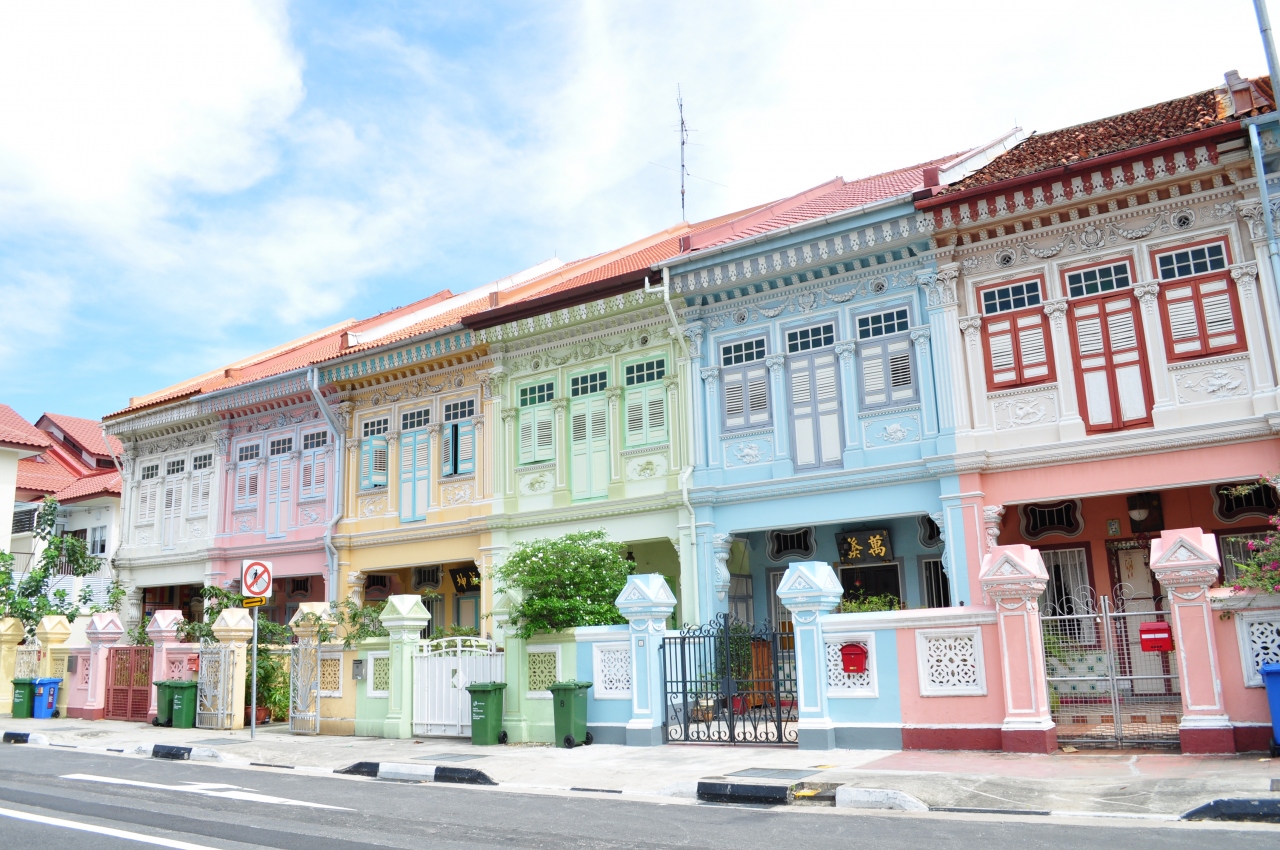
x=255, y=601
x=255, y=578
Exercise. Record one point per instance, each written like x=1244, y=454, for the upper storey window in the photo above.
x=537, y=422
x=592, y=382
x=646, y=402
x=412, y=420
x=746, y=385
x=1202, y=313
x=373, y=452
x=885, y=358
x=882, y=324
x=805, y=339
x=742, y=352
x=1017, y=335
x=458, y=438
x=1097, y=280
x=281, y=446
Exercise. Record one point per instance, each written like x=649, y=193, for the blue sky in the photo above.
x=184, y=184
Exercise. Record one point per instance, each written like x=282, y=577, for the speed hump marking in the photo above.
x=255, y=578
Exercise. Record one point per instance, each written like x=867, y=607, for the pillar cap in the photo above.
x=320, y=609
x=164, y=623
x=810, y=586
x=233, y=624
x=104, y=627
x=646, y=596
x=11, y=630
x=53, y=629
x=1016, y=571
x=1184, y=557
x=405, y=610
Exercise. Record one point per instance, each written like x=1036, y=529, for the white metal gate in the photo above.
x=304, y=688
x=442, y=669
x=217, y=679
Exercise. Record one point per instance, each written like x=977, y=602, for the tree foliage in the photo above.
x=29, y=598
x=565, y=582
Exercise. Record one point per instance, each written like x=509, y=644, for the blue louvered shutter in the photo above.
x=447, y=434
x=378, y=465
x=466, y=447
x=366, y=463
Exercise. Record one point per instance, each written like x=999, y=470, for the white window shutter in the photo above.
x=635, y=413
x=657, y=410
x=528, y=417
x=422, y=476
x=599, y=446
x=874, y=391
x=378, y=472
x=407, y=458
x=802, y=412
x=1184, y=325
x=734, y=399
x=1033, y=351
x=827, y=400
x=1000, y=352
x=901, y=384
x=580, y=449
x=544, y=434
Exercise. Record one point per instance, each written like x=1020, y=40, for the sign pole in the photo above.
x=253, y=709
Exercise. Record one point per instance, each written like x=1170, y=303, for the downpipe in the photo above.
x=339, y=449
x=1260, y=174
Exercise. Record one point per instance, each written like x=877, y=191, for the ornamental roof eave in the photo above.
x=526, y=329
x=431, y=351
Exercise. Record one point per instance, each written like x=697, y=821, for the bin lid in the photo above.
x=1273, y=667
x=571, y=685
x=46, y=681
x=22, y=681
x=486, y=686
x=182, y=683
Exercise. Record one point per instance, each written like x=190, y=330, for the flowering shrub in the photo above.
x=1262, y=569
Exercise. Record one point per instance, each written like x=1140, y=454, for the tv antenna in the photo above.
x=684, y=137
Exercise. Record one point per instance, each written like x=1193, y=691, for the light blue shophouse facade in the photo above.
x=827, y=354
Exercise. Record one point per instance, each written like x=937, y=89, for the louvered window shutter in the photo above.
x=421, y=475
x=466, y=437
x=1033, y=349
x=1017, y=349
x=656, y=406
x=735, y=413
x=544, y=434
x=901, y=384
x=366, y=463
x=307, y=473
x=242, y=486
x=872, y=359
x=447, y=462
x=580, y=449
x=378, y=473
x=599, y=446
x=1126, y=358
x=636, y=433
x=406, y=476
x=253, y=487
x=1000, y=350
x=802, y=412
x=1201, y=319
x=827, y=401
x=318, y=476
x=528, y=423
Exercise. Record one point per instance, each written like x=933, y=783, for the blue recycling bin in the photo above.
x=1271, y=676
x=45, y=704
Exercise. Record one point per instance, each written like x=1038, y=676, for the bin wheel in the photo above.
x=56, y=714
x=569, y=742
x=155, y=721
x=589, y=740
x=168, y=723
x=1275, y=749
x=502, y=736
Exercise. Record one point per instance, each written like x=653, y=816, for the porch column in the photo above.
x=514, y=720
x=234, y=627
x=51, y=631
x=103, y=632
x=11, y=634
x=404, y=618
x=646, y=602
x=163, y=631
x=1015, y=576
x=306, y=628
x=1185, y=560
x=810, y=589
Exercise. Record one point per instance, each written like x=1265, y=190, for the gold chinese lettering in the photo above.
x=875, y=544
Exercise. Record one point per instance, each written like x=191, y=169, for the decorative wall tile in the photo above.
x=842, y=684
x=950, y=662
x=611, y=670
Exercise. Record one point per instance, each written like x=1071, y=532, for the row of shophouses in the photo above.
x=1065, y=340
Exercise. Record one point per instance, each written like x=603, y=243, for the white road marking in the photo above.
x=208, y=789
x=104, y=830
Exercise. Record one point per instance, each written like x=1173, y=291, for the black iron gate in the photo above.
x=727, y=682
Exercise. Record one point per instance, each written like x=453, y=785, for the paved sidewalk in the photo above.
x=1101, y=782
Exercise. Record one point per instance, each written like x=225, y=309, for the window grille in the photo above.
x=1068, y=590
x=200, y=462
x=1260, y=501
x=1015, y=296
x=250, y=452
x=374, y=427
x=1097, y=280
x=790, y=542
x=414, y=419
x=315, y=440
x=882, y=324
x=806, y=339
x=742, y=352
x=175, y=467
x=1235, y=550
x=281, y=446
x=581, y=385
x=23, y=521
x=456, y=410
x=427, y=578
x=643, y=373
x=151, y=471
x=937, y=590
x=537, y=394
x=1192, y=261
x=1051, y=518
x=299, y=587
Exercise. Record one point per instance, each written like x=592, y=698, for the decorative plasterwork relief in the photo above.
x=195, y=529
x=1212, y=381
x=748, y=452
x=456, y=494
x=309, y=517
x=1024, y=409
x=646, y=467
x=576, y=349
x=892, y=430
x=755, y=303
x=559, y=319
x=537, y=483
x=172, y=444
x=462, y=377
x=279, y=420
x=372, y=505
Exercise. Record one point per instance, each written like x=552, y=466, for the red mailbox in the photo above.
x=854, y=657
x=1155, y=637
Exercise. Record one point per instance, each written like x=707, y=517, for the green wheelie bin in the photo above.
x=164, y=704
x=569, y=702
x=24, y=694
x=486, y=713
x=184, y=703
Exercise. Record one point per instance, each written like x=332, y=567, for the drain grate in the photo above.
x=772, y=773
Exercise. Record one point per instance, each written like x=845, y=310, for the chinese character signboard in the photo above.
x=465, y=579
x=864, y=547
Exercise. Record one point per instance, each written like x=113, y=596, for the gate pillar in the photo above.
x=404, y=618
x=51, y=631
x=163, y=631
x=808, y=590
x=646, y=602
x=514, y=719
x=11, y=634
x=304, y=667
x=234, y=627
x=1185, y=560
x=1015, y=576
x=103, y=631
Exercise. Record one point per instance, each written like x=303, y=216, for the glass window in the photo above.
x=201, y=462
x=281, y=446
x=1099, y=279
x=643, y=373
x=805, y=339
x=152, y=470
x=537, y=394
x=741, y=352
x=175, y=467
x=1192, y=261
x=414, y=419
x=882, y=324
x=1015, y=296
x=455, y=410
x=374, y=427
x=315, y=439
x=593, y=382
x=250, y=452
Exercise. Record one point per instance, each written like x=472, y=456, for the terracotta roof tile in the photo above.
x=44, y=476
x=104, y=483
x=87, y=433
x=16, y=431
x=1157, y=123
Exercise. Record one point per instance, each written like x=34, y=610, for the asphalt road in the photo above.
x=51, y=798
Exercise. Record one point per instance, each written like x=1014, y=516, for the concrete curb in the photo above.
x=400, y=772
x=850, y=797
x=744, y=792
x=34, y=739
x=170, y=753
x=1252, y=809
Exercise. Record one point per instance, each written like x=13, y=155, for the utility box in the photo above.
x=853, y=656
x=1155, y=637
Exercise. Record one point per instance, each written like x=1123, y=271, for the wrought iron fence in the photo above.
x=304, y=688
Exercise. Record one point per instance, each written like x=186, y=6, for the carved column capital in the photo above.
x=775, y=363
x=1057, y=313
x=671, y=381
x=920, y=336
x=845, y=351
x=940, y=285
x=693, y=333
x=559, y=404
x=1147, y=294
x=1246, y=277
x=710, y=375
x=991, y=518
x=434, y=430
x=509, y=413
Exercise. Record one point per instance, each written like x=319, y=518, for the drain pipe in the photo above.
x=687, y=472
x=339, y=452
x=1272, y=248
